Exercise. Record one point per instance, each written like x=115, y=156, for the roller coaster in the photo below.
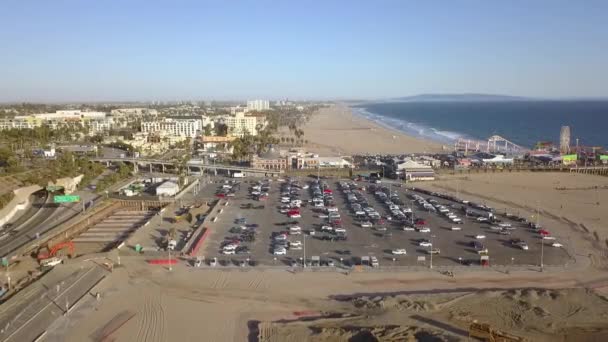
x=494, y=144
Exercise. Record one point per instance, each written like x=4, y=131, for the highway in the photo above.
x=41, y=217
x=31, y=311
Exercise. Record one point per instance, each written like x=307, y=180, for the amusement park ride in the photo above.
x=494, y=144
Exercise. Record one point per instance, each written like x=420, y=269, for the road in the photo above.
x=41, y=220
x=32, y=311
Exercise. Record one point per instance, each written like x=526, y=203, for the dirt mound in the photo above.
x=390, y=333
x=400, y=303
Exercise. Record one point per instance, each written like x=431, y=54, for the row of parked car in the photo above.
x=259, y=190
x=282, y=241
x=237, y=244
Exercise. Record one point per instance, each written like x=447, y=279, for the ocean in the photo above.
x=522, y=122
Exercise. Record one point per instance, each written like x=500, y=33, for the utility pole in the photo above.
x=304, y=252
x=170, y=267
x=431, y=267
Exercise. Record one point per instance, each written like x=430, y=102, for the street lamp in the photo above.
x=304, y=252
x=460, y=260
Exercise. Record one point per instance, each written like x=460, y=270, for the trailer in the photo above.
x=238, y=175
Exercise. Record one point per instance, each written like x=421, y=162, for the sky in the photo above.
x=116, y=50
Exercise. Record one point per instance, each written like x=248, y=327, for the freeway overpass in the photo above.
x=193, y=165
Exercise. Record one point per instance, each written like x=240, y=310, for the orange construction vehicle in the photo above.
x=45, y=252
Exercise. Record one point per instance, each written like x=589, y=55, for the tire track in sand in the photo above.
x=152, y=321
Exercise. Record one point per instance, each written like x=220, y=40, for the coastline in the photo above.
x=337, y=130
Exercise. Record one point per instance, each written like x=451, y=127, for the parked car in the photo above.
x=425, y=243
x=399, y=251
x=280, y=251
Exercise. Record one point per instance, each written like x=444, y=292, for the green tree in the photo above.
x=207, y=130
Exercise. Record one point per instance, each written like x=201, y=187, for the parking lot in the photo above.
x=263, y=218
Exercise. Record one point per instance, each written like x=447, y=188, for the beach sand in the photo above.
x=191, y=304
x=336, y=131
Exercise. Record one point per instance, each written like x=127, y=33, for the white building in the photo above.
x=241, y=123
x=177, y=127
x=167, y=188
x=413, y=171
x=124, y=112
x=258, y=105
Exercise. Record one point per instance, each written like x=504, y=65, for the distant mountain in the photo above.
x=460, y=98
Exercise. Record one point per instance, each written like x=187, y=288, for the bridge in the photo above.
x=494, y=144
x=193, y=165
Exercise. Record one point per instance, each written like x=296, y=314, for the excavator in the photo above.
x=485, y=332
x=46, y=252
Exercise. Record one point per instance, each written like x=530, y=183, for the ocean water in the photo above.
x=522, y=122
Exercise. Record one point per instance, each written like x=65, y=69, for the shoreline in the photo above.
x=439, y=137
x=338, y=130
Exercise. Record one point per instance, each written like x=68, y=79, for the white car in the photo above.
x=400, y=251
x=381, y=229
x=280, y=237
x=340, y=230
x=424, y=230
x=480, y=236
x=327, y=228
x=332, y=209
x=409, y=229
x=557, y=244
x=295, y=243
x=323, y=216
x=230, y=247
x=280, y=251
x=366, y=224
x=295, y=216
x=548, y=237
x=482, y=219
x=425, y=244
x=228, y=252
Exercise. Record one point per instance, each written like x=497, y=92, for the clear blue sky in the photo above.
x=160, y=50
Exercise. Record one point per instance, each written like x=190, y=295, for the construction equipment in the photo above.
x=485, y=332
x=45, y=252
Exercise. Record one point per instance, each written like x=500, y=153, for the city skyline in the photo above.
x=71, y=52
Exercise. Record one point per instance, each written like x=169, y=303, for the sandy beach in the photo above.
x=337, y=131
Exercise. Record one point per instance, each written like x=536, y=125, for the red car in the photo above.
x=420, y=222
x=543, y=232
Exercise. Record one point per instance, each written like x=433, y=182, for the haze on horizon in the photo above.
x=140, y=50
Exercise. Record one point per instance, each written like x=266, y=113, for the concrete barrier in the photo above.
x=19, y=202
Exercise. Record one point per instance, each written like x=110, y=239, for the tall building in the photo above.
x=258, y=105
x=564, y=140
x=175, y=127
x=241, y=123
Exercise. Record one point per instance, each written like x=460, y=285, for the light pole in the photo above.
x=304, y=253
x=460, y=260
x=170, y=267
x=431, y=266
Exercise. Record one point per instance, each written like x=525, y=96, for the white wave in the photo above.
x=408, y=127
